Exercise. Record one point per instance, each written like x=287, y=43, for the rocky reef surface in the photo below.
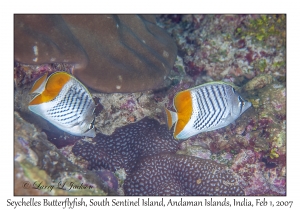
x=246, y=50
x=41, y=169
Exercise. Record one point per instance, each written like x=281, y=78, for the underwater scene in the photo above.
x=150, y=105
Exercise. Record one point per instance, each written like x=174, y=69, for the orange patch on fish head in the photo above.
x=184, y=106
x=53, y=86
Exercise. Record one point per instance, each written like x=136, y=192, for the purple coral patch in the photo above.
x=129, y=105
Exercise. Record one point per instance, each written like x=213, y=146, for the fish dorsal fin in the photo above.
x=39, y=84
x=216, y=83
x=52, y=88
x=184, y=107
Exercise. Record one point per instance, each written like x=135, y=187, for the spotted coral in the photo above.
x=146, y=150
x=126, y=145
x=173, y=174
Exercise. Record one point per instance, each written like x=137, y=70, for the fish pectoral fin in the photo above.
x=171, y=118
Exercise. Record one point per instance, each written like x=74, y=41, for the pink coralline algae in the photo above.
x=129, y=105
x=238, y=46
x=260, y=179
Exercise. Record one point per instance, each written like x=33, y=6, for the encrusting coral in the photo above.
x=173, y=174
x=147, y=152
x=110, y=53
x=125, y=147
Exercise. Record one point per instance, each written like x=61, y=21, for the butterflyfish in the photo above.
x=64, y=102
x=205, y=108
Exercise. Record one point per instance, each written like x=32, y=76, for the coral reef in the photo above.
x=265, y=28
x=39, y=163
x=255, y=146
x=246, y=50
x=139, y=146
x=24, y=74
x=122, y=109
x=110, y=53
x=225, y=47
x=261, y=179
x=173, y=174
x=258, y=82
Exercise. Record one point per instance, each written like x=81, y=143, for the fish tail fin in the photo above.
x=172, y=118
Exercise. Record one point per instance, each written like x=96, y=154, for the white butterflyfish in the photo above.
x=205, y=108
x=64, y=102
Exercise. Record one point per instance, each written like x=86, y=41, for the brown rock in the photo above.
x=111, y=53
